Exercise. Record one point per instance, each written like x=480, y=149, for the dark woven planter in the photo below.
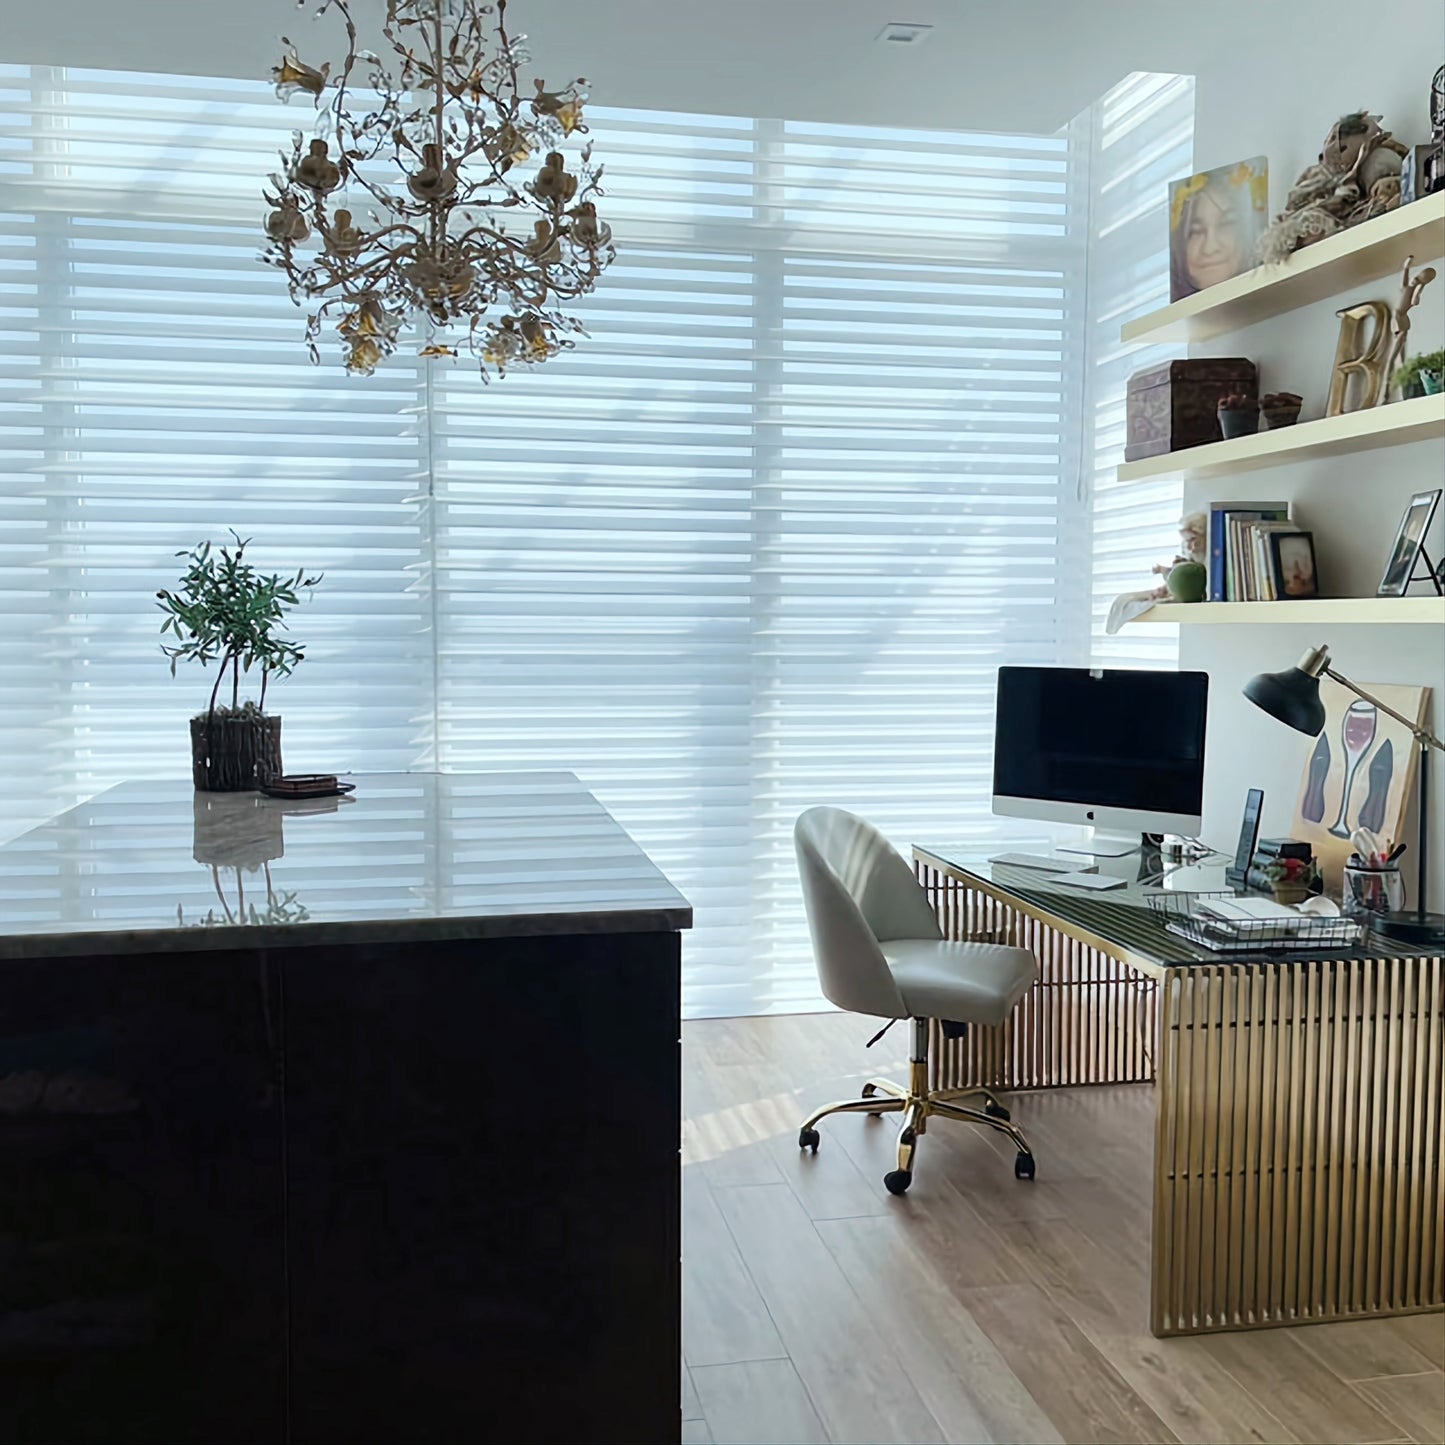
x=234, y=754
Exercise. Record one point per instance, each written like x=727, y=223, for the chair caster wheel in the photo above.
x=896, y=1181
x=808, y=1139
x=997, y=1111
x=1024, y=1166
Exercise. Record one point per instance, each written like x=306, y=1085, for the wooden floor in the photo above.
x=817, y=1307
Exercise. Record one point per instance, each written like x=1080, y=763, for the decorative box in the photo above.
x=1172, y=407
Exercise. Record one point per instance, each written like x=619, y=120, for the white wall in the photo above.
x=1278, y=95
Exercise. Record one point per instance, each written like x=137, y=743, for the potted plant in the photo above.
x=1292, y=880
x=225, y=611
x=1238, y=415
x=1280, y=408
x=1420, y=374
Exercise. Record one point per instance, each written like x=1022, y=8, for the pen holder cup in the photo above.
x=1373, y=890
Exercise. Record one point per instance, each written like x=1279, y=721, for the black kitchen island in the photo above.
x=341, y=1120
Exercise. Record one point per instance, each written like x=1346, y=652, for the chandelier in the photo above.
x=407, y=208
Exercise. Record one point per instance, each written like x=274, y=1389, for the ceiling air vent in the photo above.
x=902, y=33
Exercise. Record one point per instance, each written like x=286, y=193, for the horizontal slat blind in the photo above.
x=763, y=539
x=1142, y=135
x=159, y=394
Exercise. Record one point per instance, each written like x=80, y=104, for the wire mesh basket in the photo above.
x=1194, y=916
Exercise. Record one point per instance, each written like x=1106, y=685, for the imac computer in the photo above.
x=1119, y=751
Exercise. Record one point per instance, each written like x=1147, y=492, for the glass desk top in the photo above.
x=1126, y=920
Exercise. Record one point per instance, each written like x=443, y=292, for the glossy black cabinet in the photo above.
x=327, y=1194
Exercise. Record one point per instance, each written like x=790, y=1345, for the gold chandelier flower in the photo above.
x=403, y=211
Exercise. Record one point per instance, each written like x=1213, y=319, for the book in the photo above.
x=1262, y=587
x=1220, y=514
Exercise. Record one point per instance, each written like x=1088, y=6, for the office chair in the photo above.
x=880, y=951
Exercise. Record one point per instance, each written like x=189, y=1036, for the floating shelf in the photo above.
x=1419, y=419
x=1348, y=258
x=1327, y=611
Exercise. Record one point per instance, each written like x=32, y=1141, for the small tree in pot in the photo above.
x=225, y=611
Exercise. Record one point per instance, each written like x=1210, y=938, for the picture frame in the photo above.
x=1410, y=545
x=1292, y=565
x=1216, y=219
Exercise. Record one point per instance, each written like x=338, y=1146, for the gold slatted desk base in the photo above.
x=1298, y=1138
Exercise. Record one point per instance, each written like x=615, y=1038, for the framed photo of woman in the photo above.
x=1409, y=544
x=1215, y=221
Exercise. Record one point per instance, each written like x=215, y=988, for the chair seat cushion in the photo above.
x=971, y=983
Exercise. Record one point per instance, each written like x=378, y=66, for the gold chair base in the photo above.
x=918, y=1103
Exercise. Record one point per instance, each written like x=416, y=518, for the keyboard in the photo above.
x=1040, y=861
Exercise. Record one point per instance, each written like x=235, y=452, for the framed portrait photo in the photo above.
x=1292, y=565
x=1408, y=544
x=1216, y=219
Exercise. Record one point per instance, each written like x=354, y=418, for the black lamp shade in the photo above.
x=1292, y=696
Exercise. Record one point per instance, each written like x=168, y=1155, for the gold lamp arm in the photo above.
x=1421, y=735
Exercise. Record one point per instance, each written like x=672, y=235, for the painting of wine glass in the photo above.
x=1358, y=772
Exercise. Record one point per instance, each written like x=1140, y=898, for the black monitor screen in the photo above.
x=1104, y=739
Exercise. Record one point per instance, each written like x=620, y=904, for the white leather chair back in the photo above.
x=858, y=893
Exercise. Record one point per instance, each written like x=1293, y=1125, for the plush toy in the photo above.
x=1357, y=177
x=1186, y=577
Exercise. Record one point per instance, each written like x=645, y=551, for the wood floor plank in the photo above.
x=1199, y=1400
x=762, y=1402
x=1425, y=1333
x=1416, y=1403
x=1084, y=1396
x=829, y=1184
x=724, y=1319
x=960, y=1374
x=1315, y=1403
x=850, y=1370
x=1364, y=1349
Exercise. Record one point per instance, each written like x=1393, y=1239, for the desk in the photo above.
x=1297, y=1169
x=342, y=1120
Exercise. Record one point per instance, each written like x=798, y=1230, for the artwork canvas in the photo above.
x=1215, y=222
x=1359, y=772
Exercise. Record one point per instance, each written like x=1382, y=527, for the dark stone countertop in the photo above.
x=155, y=867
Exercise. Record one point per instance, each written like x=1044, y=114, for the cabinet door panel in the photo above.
x=141, y=1251
x=482, y=1175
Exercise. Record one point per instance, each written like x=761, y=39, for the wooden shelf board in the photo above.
x=1348, y=258
x=1419, y=419
x=1326, y=611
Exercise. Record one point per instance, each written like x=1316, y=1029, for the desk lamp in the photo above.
x=1293, y=697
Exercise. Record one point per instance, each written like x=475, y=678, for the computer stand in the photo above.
x=1104, y=844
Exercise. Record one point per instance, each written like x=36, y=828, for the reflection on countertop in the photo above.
x=154, y=866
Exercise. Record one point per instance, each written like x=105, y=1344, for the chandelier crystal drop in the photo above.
x=410, y=207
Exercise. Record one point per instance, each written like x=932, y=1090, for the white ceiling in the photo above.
x=1025, y=65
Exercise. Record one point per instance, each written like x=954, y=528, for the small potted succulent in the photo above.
x=1238, y=415
x=225, y=611
x=1292, y=880
x=1420, y=375
x=1280, y=408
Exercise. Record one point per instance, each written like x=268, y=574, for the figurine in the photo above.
x=1357, y=177
x=1186, y=577
x=1410, y=289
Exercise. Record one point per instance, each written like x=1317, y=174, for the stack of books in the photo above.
x=1241, y=566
